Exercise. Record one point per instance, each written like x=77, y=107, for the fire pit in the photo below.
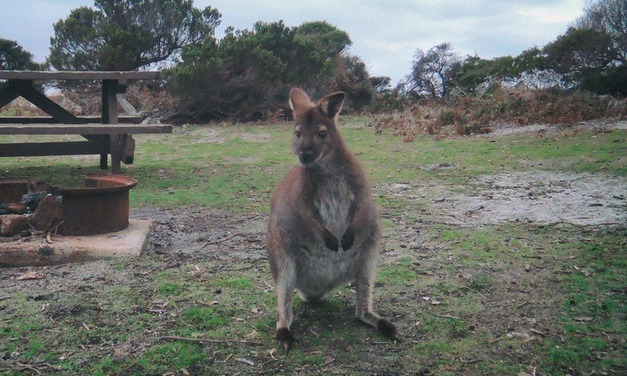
x=71, y=224
x=102, y=206
x=11, y=190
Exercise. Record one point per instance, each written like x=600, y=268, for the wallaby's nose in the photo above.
x=305, y=156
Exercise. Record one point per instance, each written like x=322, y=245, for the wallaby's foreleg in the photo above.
x=363, y=305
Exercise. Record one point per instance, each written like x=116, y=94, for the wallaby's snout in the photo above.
x=305, y=149
x=306, y=157
x=323, y=228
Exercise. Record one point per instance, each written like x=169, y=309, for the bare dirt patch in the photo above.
x=499, y=130
x=540, y=197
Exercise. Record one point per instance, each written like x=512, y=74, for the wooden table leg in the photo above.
x=103, y=161
x=110, y=116
x=116, y=152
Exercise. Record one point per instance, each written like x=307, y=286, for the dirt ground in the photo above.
x=201, y=234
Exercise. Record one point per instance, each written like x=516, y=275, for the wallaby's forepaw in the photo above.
x=348, y=239
x=285, y=339
x=388, y=329
x=330, y=240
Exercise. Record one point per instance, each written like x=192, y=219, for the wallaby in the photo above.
x=323, y=228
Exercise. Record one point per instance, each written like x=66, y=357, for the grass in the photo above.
x=497, y=299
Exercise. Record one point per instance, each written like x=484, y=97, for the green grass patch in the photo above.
x=171, y=356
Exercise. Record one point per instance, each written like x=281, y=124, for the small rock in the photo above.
x=399, y=187
x=48, y=213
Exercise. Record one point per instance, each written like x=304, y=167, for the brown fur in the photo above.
x=323, y=229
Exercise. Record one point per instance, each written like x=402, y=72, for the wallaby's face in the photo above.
x=315, y=133
x=313, y=140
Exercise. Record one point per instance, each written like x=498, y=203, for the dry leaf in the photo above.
x=256, y=311
x=120, y=353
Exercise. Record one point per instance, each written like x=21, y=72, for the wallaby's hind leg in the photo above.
x=363, y=304
x=285, y=314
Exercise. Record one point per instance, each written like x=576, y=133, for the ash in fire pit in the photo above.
x=28, y=204
x=13, y=201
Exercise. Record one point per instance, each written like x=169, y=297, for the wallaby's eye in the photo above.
x=322, y=134
x=297, y=134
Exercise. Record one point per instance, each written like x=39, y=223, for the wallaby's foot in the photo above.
x=388, y=329
x=286, y=339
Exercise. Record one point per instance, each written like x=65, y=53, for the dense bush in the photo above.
x=465, y=115
x=246, y=75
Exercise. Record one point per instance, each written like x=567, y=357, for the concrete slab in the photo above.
x=65, y=249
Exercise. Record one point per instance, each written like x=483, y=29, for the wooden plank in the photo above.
x=133, y=119
x=121, y=76
x=8, y=94
x=84, y=128
x=28, y=92
x=33, y=149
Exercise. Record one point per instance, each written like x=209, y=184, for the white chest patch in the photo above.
x=333, y=203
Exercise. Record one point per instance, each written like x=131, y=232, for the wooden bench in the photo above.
x=132, y=119
x=113, y=136
x=102, y=139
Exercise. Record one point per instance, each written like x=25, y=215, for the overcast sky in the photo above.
x=385, y=34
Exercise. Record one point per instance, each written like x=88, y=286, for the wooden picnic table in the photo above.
x=105, y=135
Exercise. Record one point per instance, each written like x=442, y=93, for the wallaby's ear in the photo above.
x=332, y=104
x=299, y=101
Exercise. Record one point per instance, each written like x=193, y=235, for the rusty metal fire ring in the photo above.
x=101, y=207
x=12, y=189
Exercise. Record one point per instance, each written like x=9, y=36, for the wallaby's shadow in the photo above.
x=329, y=323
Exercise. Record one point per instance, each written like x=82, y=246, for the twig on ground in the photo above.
x=535, y=331
x=206, y=340
x=32, y=367
x=251, y=239
x=587, y=227
x=327, y=362
x=245, y=361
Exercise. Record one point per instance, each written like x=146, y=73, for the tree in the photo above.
x=247, y=74
x=579, y=53
x=351, y=76
x=381, y=84
x=609, y=16
x=14, y=57
x=128, y=34
x=433, y=71
x=329, y=40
